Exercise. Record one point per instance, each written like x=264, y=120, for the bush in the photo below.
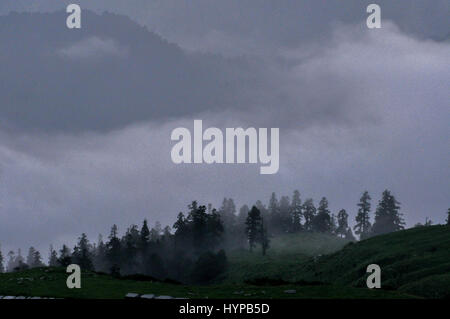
x=209, y=266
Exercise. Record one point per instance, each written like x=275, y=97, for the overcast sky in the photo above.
x=86, y=116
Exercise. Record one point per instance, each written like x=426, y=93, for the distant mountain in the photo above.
x=110, y=73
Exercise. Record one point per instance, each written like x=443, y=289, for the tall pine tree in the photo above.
x=322, y=221
x=228, y=213
x=387, y=216
x=274, y=213
x=144, y=237
x=284, y=217
x=52, y=257
x=362, y=227
x=342, y=221
x=30, y=257
x=253, y=227
x=131, y=243
x=309, y=212
x=113, y=251
x=82, y=255
x=37, y=259
x=296, y=212
x=65, y=258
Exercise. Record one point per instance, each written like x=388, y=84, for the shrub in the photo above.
x=209, y=266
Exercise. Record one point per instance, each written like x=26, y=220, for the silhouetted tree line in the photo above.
x=193, y=250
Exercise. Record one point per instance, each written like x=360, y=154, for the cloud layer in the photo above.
x=358, y=110
x=93, y=47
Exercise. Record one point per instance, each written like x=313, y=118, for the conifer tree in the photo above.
x=322, y=221
x=30, y=257
x=362, y=227
x=253, y=228
x=214, y=230
x=342, y=220
x=181, y=231
x=309, y=212
x=113, y=251
x=284, y=215
x=275, y=219
x=37, y=260
x=227, y=213
x=82, y=255
x=198, y=221
x=387, y=216
x=52, y=258
x=296, y=212
x=144, y=237
x=273, y=204
x=263, y=210
x=100, y=257
x=131, y=244
x=65, y=258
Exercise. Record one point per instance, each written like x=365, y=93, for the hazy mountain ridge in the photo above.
x=110, y=73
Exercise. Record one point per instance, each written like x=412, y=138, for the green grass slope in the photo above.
x=415, y=261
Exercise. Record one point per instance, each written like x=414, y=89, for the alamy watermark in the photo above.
x=374, y=279
x=229, y=148
x=74, y=279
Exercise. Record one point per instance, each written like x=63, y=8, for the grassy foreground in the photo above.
x=415, y=263
x=52, y=283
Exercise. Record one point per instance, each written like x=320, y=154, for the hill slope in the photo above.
x=415, y=261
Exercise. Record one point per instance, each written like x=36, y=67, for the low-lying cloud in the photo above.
x=93, y=47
